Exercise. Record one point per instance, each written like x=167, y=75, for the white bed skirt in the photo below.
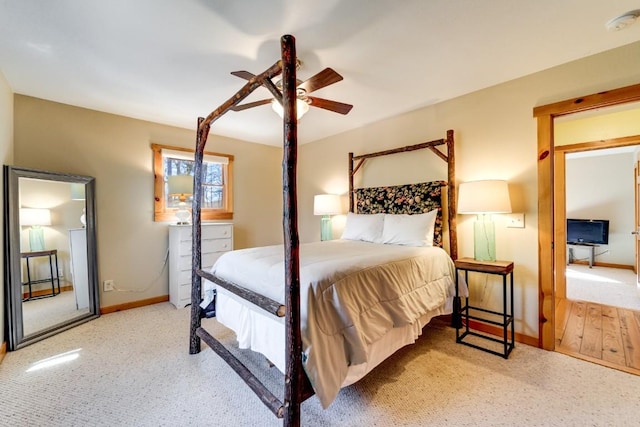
x=264, y=333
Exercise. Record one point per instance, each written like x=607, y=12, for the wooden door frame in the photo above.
x=548, y=258
x=636, y=215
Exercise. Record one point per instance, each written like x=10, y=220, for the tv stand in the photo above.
x=592, y=249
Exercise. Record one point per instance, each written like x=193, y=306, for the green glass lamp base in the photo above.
x=484, y=243
x=36, y=239
x=325, y=228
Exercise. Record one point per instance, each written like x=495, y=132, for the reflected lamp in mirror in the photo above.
x=484, y=198
x=35, y=218
x=181, y=186
x=77, y=193
x=326, y=205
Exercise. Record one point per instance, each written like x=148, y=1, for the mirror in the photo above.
x=51, y=278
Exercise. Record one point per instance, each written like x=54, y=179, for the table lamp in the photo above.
x=484, y=198
x=35, y=218
x=326, y=205
x=181, y=186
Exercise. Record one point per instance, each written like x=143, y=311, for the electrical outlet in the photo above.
x=108, y=285
x=515, y=220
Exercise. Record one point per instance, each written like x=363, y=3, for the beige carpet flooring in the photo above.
x=616, y=287
x=132, y=368
x=43, y=313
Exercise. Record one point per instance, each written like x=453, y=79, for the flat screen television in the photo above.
x=595, y=231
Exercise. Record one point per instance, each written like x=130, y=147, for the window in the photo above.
x=216, y=182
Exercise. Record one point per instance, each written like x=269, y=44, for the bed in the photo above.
x=314, y=308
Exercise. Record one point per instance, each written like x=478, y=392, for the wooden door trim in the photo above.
x=559, y=217
x=636, y=214
x=548, y=258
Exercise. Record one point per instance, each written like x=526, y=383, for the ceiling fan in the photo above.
x=324, y=78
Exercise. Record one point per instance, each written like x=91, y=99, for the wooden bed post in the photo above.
x=451, y=196
x=196, y=256
x=204, y=125
x=351, y=207
x=294, y=380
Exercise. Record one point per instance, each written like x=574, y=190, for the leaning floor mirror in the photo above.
x=51, y=278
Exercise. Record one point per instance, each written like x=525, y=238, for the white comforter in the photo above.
x=351, y=294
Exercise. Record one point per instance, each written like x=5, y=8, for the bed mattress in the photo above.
x=359, y=302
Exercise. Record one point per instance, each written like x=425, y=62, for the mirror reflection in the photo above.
x=53, y=252
x=52, y=275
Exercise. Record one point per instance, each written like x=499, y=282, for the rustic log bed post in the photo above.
x=296, y=387
x=293, y=354
x=204, y=125
x=296, y=384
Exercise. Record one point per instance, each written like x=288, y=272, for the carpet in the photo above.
x=616, y=287
x=132, y=368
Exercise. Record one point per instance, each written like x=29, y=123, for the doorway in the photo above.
x=595, y=190
x=600, y=218
x=551, y=207
x=597, y=302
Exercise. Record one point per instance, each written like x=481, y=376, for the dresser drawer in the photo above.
x=216, y=245
x=207, y=246
x=184, y=277
x=185, y=293
x=208, y=232
x=207, y=261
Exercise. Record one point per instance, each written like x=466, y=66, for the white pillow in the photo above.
x=365, y=227
x=409, y=230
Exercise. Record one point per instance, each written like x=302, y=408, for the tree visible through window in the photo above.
x=216, y=182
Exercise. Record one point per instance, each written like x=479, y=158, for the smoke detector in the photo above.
x=623, y=21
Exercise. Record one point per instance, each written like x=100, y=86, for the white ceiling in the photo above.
x=168, y=61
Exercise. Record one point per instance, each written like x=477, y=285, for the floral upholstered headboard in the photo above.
x=404, y=199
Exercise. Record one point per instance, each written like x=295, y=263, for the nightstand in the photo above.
x=502, y=319
x=53, y=270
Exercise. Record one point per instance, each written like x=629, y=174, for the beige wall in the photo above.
x=601, y=187
x=116, y=151
x=6, y=156
x=575, y=129
x=495, y=138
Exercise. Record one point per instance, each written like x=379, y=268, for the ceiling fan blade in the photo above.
x=335, y=106
x=243, y=74
x=323, y=78
x=251, y=104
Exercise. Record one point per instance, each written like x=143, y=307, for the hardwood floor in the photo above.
x=602, y=334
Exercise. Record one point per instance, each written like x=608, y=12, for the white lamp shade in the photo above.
x=35, y=216
x=327, y=204
x=301, y=108
x=180, y=184
x=484, y=197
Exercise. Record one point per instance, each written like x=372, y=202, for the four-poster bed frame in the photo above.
x=297, y=387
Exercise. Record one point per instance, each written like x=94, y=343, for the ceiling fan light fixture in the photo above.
x=623, y=21
x=301, y=106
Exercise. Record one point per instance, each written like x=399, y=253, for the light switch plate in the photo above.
x=515, y=220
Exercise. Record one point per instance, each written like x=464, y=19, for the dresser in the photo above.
x=79, y=266
x=217, y=238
